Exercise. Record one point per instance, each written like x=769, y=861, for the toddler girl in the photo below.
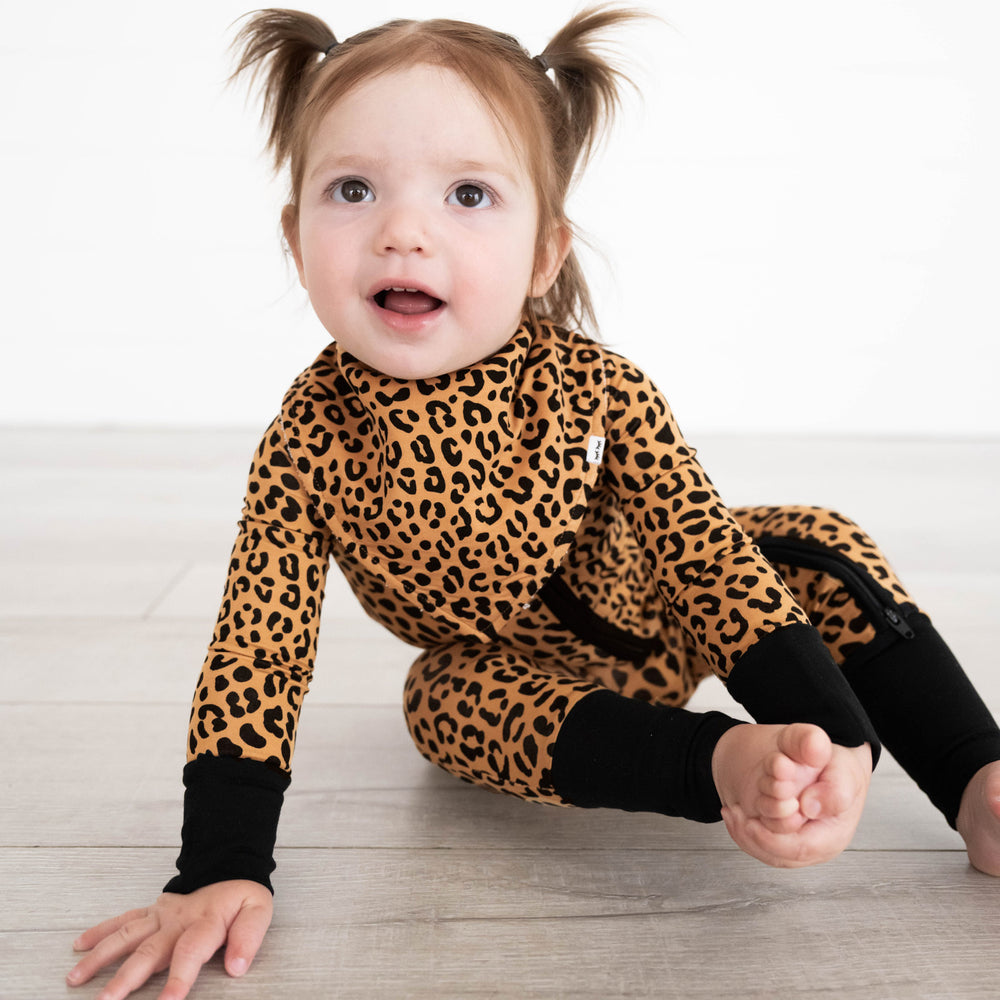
x=517, y=502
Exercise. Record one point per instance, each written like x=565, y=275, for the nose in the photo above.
x=404, y=230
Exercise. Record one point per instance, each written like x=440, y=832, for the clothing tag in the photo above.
x=595, y=449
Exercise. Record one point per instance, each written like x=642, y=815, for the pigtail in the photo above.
x=290, y=43
x=589, y=89
x=589, y=85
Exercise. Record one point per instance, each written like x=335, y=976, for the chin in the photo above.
x=407, y=369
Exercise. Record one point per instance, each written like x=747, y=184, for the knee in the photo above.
x=796, y=536
x=432, y=674
x=432, y=729
x=447, y=690
x=818, y=525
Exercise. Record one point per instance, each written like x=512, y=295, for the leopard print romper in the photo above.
x=535, y=524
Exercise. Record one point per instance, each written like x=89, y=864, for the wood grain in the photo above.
x=556, y=923
x=394, y=879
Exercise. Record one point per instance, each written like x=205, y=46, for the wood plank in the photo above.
x=110, y=774
x=471, y=923
x=157, y=660
x=895, y=488
x=395, y=879
x=95, y=588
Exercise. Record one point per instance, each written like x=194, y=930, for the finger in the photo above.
x=738, y=826
x=773, y=807
x=780, y=850
x=780, y=767
x=127, y=938
x=785, y=824
x=192, y=950
x=814, y=844
x=834, y=794
x=806, y=744
x=152, y=956
x=811, y=804
x=245, y=937
x=791, y=825
x=788, y=790
x=98, y=932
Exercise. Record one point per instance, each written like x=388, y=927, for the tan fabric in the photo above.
x=448, y=504
x=435, y=486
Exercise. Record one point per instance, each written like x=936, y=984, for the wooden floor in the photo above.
x=395, y=880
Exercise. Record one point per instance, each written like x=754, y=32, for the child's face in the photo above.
x=410, y=184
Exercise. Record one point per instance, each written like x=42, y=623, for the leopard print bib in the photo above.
x=461, y=492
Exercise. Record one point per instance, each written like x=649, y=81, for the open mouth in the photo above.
x=406, y=301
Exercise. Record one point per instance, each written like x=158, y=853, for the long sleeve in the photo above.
x=246, y=706
x=734, y=607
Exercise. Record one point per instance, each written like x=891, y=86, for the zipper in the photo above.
x=575, y=614
x=873, y=598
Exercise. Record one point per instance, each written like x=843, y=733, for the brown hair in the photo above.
x=559, y=121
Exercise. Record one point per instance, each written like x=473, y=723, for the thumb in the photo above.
x=245, y=936
x=834, y=792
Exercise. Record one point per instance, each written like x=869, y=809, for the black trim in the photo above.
x=873, y=598
x=928, y=713
x=231, y=810
x=615, y=752
x=790, y=676
x=575, y=614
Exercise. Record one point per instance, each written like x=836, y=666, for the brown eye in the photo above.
x=352, y=191
x=469, y=196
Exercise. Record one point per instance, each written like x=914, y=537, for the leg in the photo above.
x=766, y=774
x=549, y=725
x=918, y=697
x=492, y=715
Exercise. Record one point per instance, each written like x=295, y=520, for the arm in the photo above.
x=735, y=609
x=240, y=745
x=246, y=706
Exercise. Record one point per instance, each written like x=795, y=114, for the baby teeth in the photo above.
x=402, y=289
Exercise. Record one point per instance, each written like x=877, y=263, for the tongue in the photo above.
x=410, y=303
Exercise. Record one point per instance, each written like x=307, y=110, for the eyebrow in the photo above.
x=364, y=164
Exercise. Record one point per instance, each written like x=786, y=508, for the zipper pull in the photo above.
x=898, y=623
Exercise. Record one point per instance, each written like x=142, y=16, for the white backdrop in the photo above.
x=797, y=225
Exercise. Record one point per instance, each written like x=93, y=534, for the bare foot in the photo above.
x=979, y=819
x=790, y=797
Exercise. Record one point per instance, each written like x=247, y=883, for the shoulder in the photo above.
x=624, y=379
x=644, y=440
x=634, y=399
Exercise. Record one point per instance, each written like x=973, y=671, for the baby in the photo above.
x=517, y=502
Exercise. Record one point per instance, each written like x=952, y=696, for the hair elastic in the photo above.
x=330, y=48
x=542, y=63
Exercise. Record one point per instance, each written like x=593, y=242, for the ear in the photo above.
x=550, y=261
x=290, y=227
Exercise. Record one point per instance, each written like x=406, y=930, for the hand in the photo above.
x=790, y=797
x=181, y=932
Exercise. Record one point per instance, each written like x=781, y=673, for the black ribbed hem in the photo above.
x=790, y=676
x=926, y=710
x=231, y=810
x=618, y=753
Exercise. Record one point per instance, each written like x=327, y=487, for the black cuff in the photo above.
x=618, y=753
x=231, y=810
x=928, y=713
x=790, y=676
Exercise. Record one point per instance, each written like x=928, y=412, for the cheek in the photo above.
x=325, y=256
x=509, y=263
